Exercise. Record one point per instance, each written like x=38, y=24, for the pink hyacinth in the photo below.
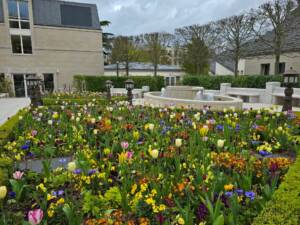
x=35, y=217
x=18, y=175
x=124, y=144
x=34, y=133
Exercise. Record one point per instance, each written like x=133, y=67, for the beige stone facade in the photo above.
x=63, y=52
x=253, y=64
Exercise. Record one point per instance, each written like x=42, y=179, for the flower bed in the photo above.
x=146, y=166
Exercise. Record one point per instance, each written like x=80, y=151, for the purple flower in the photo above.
x=91, y=172
x=264, y=153
x=220, y=127
x=25, y=147
x=202, y=212
x=77, y=171
x=12, y=194
x=58, y=193
x=250, y=195
x=63, y=160
x=228, y=194
x=239, y=191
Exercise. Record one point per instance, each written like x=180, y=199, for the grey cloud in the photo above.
x=131, y=17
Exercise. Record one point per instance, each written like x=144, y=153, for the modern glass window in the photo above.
x=21, y=44
x=18, y=14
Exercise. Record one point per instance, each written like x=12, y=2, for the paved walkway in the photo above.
x=10, y=106
x=254, y=106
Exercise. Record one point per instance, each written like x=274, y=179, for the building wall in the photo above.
x=221, y=70
x=64, y=52
x=253, y=64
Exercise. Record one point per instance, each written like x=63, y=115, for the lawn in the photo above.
x=142, y=165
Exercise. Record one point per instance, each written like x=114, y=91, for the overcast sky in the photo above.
x=130, y=17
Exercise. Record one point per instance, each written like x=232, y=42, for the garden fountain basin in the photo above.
x=185, y=96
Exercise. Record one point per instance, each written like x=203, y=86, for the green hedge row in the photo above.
x=284, y=208
x=5, y=131
x=213, y=82
x=48, y=101
x=97, y=83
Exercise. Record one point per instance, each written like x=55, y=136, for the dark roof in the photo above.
x=1, y=12
x=225, y=59
x=65, y=14
x=143, y=67
x=291, y=42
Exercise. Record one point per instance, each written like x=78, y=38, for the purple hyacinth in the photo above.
x=228, y=194
x=202, y=212
x=264, y=153
x=91, y=172
x=239, y=192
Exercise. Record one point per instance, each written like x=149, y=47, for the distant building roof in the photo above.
x=143, y=67
x=224, y=59
x=291, y=42
x=65, y=14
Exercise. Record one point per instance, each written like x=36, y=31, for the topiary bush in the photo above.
x=97, y=83
x=214, y=82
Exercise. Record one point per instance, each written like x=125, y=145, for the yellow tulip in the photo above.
x=3, y=192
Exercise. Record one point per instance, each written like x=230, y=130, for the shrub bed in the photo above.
x=97, y=83
x=213, y=82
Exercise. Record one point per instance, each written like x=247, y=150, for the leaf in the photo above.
x=219, y=220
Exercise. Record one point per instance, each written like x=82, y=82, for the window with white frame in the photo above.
x=21, y=44
x=18, y=14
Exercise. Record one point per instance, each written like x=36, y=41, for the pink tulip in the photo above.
x=124, y=144
x=18, y=175
x=129, y=155
x=35, y=217
x=34, y=133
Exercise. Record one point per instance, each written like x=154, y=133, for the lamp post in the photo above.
x=117, y=68
x=34, y=91
x=108, y=85
x=129, y=85
x=290, y=81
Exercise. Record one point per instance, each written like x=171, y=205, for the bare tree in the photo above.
x=275, y=20
x=124, y=50
x=236, y=32
x=156, y=46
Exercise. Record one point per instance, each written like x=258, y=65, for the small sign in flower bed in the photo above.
x=141, y=165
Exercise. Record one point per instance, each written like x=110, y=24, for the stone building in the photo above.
x=51, y=39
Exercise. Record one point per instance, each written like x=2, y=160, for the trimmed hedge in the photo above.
x=284, y=208
x=246, y=81
x=48, y=101
x=7, y=128
x=5, y=131
x=97, y=83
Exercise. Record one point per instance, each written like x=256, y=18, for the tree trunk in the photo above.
x=277, y=62
x=127, y=68
x=236, y=67
x=155, y=70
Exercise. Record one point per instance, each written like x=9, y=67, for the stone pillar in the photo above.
x=270, y=89
x=224, y=88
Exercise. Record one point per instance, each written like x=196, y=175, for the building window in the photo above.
x=265, y=69
x=21, y=44
x=49, y=82
x=18, y=14
x=281, y=68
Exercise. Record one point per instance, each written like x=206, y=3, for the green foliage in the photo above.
x=113, y=195
x=284, y=208
x=9, y=125
x=195, y=61
x=97, y=83
x=213, y=82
